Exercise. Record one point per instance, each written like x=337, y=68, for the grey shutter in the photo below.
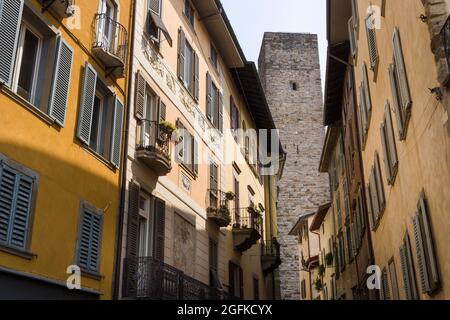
x=116, y=141
x=139, y=106
x=196, y=81
x=380, y=187
x=155, y=6
x=421, y=259
x=373, y=198
x=393, y=157
x=220, y=111
x=133, y=219
x=161, y=117
x=409, y=281
x=10, y=18
x=195, y=159
x=181, y=54
x=404, y=93
x=233, y=115
x=90, y=241
x=396, y=99
x=355, y=14
x=372, y=41
x=180, y=144
x=62, y=75
x=385, y=285
x=384, y=142
x=352, y=36
x=363, y=113
x=405, y=275
x=160, y=215
x=367, y=97
x=411, y=269
x=87, y=104
x=7, y=187
x=209, y=107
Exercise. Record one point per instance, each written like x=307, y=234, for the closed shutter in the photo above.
x=162, y=113
x=241, y=283
x=355, y=14
x=181, y=142
x=139, y=104
x=367, y=97
x=384, y=142
x=213, y=178
x=195, y=159
x=181, y=54
x=90, y=241
x=372, y=41
x=391, y=138
x=409, y=280
x=209, y=102
x=16, y=191
x=160, y=218
x=385, y=286
x=87, y=104
x=155, y=6
x=352, y=36
x=404, y=93
x=380, y=187
x=237, y=214
x=421, y=259
x=10, y=18
x=116, y=142
x=373, y=198
x=396, y=100
x=61, y=81
x=363, y=115
x=231, y=276
x=220, y=106
x=133, y=219
x=196, y=81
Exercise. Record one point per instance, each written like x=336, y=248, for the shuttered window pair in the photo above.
x=187, y=149
x=89, y=240
x=17, y=192
x=375, y=193
x=365, y=106
x=158, y=211
x=214, y=103
x=93, y=111
x=372, y=41
x=401, y=96
x=408, y=273
x=426, y=257
x=188, y=65
x=389, y=147
x=20, y=46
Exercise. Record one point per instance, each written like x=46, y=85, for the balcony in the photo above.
x=62, y=8
x=247, y=228
x=270, y=256
x=154, y=149
x=146, y=278
x=218, y=207
x=110, y=44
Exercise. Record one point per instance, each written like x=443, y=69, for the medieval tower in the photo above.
x=290, y=72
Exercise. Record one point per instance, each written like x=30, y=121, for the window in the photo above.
x=89, y=239
x=18, y=188
x=352, y=36
x=236, y=281
x=401, y=97
x=235, y=121
x=213, y=185
x=188, y=65
x=426, y=257
x=303, y=289
x=375, y=193
x=349, y=243
x=360, y=218
x=393, y=278
x=237, y=204
x=187, y=149
x=372, y=40
x=100, y=118
x=107, y=32
x=294, y=86
x=214, y=280
x=189, y=12
x=388, y=142
x=255, y=288
x=409, y=278
x=214, y=56
x=36, y=63
x=365, y=107
x=214, y=104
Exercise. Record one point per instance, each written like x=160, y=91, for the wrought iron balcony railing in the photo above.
x=218, y=207
x=247, y=218
x=110, y=43
x=270, y=255
x=148, y=278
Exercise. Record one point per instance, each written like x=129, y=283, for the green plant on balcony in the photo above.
x=318, y=285
x=224, y=212
x=230, y=196
x=329, y=259
x=167, y=127
x=321, y=270
x=211, y=209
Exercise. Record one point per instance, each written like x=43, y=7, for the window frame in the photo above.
x=190, y=16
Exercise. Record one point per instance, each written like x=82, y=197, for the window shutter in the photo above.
x=133, y=218
x=61, y=82
x=220, y=107
x=195, y=159
x=396, y=99
x=161, y=117
x=384, y=142
x=391, y=138
x=404, y=265
x=7, y=187
x=160, y=214
x=181, y=54
x=232, y=114
x=385, y=286
x=372, y=41
x=355, y=14
x=140, y=96
x=367, y=97
x=374, y=198
x=363, y=112
x=409, y=280
x=10, y=18
x=404, y=93
x=87, y=104
x=421, y=259
x=209, y=111
x=196, y=76
x=181, y=142
x=241, y=282
x=90, y=241
x=155, y=6
x=380, y=187
x=352, y=36
x=116, y=142
x=231, y=290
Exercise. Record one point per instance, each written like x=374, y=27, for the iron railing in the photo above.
x=110, y=36
x=218, y=205
x=270, y=248
x=445, y=34
x=154, y=138
x=247, y=218
x=149, y=278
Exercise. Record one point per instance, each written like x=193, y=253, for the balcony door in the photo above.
x=106, y=32
x=150, y=124
x=145, y=237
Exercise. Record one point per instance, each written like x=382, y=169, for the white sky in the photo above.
x=251, y=18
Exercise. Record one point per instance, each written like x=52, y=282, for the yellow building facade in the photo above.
x=62, y=101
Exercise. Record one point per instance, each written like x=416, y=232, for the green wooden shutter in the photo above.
x=116, y=138
x=162, y=113
x=209, y=102
x=404, y=93
x=196, y=81
x=133, y=219
x=87, y=104
x=61, y=82
x=90, y=241
x=181, y=54
x=160, y=225
x=10, y=19
x=139, y=104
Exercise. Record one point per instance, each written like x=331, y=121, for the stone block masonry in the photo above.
x=290, y=72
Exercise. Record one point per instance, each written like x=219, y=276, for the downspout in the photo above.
x=123, y=176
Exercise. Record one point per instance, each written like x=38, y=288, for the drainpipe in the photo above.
x=123, y=176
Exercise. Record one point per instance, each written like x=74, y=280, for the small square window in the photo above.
x=294, y=86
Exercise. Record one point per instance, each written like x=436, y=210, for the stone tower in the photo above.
x=290, y=72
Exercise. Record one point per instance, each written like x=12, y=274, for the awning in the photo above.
x=160, y=25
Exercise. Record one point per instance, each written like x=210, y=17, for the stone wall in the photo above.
x=285, y=59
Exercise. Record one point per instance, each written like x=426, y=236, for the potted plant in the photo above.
x=224, y=212
x=167, y=127
x=318, y=284
x=329, y=259
x=321, y=270
x=230, y=196
x=211, y=210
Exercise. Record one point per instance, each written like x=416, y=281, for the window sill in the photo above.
x=30, y=107
x=99, y=157
x=91, y=275
x=17, y=252
x=183, y=85
x=188, y=171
